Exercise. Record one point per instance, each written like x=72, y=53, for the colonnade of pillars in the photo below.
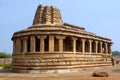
x=28, y=44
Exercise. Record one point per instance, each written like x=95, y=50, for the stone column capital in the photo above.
x=101, y=42
x=18, y=38
x=90, y=40
x=106, y=43
x=42, y=37
x=96, y=41
x=24, y=38
x=60, y=37
x=74, y=38
x=83, y=39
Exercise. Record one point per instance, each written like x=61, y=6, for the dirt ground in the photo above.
x=86, y=74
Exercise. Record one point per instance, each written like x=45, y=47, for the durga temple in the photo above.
x=50, y=45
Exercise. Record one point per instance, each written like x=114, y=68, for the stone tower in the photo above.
x=47, y=15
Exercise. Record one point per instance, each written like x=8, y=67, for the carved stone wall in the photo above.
x=5, y=60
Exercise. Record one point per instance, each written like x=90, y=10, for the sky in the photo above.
x=101, y=17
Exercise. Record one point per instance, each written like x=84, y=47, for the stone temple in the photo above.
x=50, y=45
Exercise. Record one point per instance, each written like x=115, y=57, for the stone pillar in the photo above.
x=110, y=50
x=32, y=44
x=106, y=48
x=60, y=42
x=51, y=43
x=90, y=46
x=18, y=45
x=101, y=48
x=14, y=46
x=83, y=46
x=25, y=44
x=74, y=44
x=96, y=47
x=42, y=45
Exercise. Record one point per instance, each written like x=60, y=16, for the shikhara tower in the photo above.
x=50, y=45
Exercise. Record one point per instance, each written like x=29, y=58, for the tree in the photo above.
x=5, y=55
x=116, y=53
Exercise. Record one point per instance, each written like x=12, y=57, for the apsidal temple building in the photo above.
x=51, y=45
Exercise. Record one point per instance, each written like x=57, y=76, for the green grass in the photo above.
x=6, y=66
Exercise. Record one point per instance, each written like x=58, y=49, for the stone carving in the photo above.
x=47, y=15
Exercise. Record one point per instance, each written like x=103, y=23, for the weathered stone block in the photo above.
x=100, y=74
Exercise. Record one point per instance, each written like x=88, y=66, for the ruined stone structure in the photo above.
x=50, y=45
x=5, y=60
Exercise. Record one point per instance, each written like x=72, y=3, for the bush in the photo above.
x=5, y=55
x=6, y=66
x=116, y=53
x=100, y=74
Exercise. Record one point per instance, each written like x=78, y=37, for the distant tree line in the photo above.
x=5, y=55
x=116, y=53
